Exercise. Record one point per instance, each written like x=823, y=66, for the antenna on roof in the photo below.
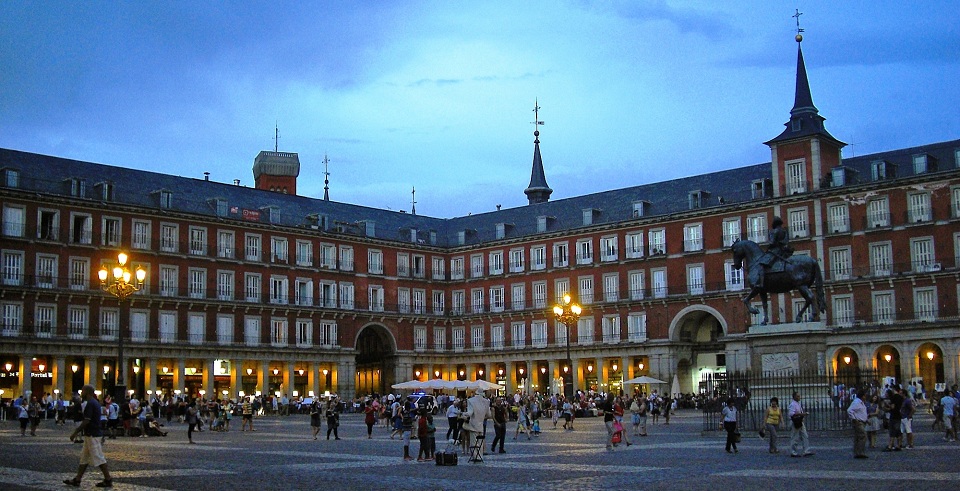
x=276, y=137
x=413, y=202
x=326, y=178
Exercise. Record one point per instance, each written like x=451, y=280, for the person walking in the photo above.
x=729, y=414
x=606, y=409
x=523, y=421
x=896, y=435
x=92, y=453
x=907, y=410
x=453, y=419
x=772, y=419
x=23, y=415
x=369, y=418
x=858, y=416
x=193, y=420
x=333, y=419
x=949, y=405
x=499, y=425
x=799, y=439
x=315, y=417
x=247, y=415
x=618, y=420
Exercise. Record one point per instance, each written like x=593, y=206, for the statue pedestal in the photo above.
x=789, y=328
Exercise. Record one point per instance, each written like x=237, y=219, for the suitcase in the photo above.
x=448, y=456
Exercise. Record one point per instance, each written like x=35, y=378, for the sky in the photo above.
x=440, y=95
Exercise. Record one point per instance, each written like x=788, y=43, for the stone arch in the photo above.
x=695, y=314
x=376, y=359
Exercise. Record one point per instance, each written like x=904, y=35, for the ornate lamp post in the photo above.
x=121, y=284
x=566, y=313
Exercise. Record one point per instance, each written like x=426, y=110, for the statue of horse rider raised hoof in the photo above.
x=776, y=270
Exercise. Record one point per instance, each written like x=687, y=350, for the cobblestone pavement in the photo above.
x=281, y=454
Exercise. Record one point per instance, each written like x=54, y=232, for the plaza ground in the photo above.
x=281, y=454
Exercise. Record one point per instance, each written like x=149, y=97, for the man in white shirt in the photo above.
x=858, y=416
x=949, y=404
x=799, y=441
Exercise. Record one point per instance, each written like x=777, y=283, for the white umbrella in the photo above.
x=644, y=380
x=437, y=384
x=675, y=388
x=408, y=385
x=484, y=385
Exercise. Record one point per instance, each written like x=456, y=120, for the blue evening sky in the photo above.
x=439, y=95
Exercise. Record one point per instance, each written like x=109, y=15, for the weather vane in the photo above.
x=326, y=178
x=413, y=201
x=799, y=29
x=276, y=137
x=536, y=114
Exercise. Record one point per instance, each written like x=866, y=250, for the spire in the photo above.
x=326, y=178
x=413, y=201
x=538, y=191
x=805, y=118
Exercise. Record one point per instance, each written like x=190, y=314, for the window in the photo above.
x=588, y=215
x=584, y=251
x=496, y=336
x=757, y=228
x=586, y=289
x=637, y=327
x=12, y=267
x=375, y=294
x=305, y=252
x=459, y=335
x=881, y=259
x=517, y=297
x=878, y=213
x=251, y=286
x=225, y=329
x=198, y=241
x=797, y=304
x=796, y=176
x=196, y=329
x=561, y=287
x=226, y=243
x=516, y=261
x=81, y=229
x=304, y=333
x=346, y=296
x=456, y=268
x=797, y=223
x=12, y=318
x=168, y=281
x=538, y=258
x=840, y=266
x=695, y=283
x=540, y=294
x=419, y=266
x=439, y=338
x=476, y=337
x=496, y=262
x=78, y=187
x=561, y=255
x=273, y=214
x=198, y=283
x=657, y=239
x=585, y=330
x=541, y=224
x=346, y=258
x=476, y=266
x=611, y=287
x=955, y=199
x=693, y=237
x=501, y=230
x=884, y=311
x=328, y=294
x=459, y=302
x=496, y=299
x=278, y=332
x=221, y=207
x=46, y=271
x=640, y=208
x=658, y=281
x=328, y=255
x=403, y=264
x=918, y=207
x=437, y=268
x=168, y=327
x=77, y=322
x=635, y=280
x=169, y=237
x=328, y=334
x=420, y=338
x=11, y=178
x=79, y=271
x=254, y=248
x=734, y=277
x=608, y=249
x=518, y=333
x=538, y=334
x=634, y=245
x=419, y=301
x=882, y=169
x=921, y=255
x=49, y=226
x=439, y=307
x=925, y=304
x=403, y=300
x=225, y=285
x=141, y=235
x=251, y=331
x=374, y=261
x=843, y=310
x=46, y=320
x=923, y=163
x=561, y=331
x=280, y=250
x=761, y=188
x=697, y=199
x=166, y=200
x=303, y=292
x=731, y=231
x=610, y=329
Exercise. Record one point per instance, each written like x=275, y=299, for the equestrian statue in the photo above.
x=776, y=270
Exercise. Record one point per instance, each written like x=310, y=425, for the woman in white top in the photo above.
x=730, y=424
x=453, y=417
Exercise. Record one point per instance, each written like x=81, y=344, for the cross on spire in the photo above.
x=536, y=114
x=799, y=29
x=326, y=178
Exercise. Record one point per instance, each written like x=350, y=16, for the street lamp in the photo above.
x=566, y=313
x=121, y=284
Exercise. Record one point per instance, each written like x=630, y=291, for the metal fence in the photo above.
x=824, y=396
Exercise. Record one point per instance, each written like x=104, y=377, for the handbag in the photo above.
x=736, y=437
x=763, y=433
x=797, y=421
x=617, y=426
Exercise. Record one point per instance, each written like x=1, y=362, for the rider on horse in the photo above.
x=779, y=248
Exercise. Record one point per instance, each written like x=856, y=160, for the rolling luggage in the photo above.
x=448, y=456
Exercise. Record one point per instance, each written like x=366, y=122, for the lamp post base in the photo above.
x=120, y=393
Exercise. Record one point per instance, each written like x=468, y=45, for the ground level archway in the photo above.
x=376, y=360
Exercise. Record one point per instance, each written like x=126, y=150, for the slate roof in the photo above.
x=48, y=175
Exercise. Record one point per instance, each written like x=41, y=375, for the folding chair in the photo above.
x=476, y=450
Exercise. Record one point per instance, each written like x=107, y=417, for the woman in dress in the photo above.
x=874, y=423
x=315, y=418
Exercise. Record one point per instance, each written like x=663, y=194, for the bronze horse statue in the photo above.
x=799, y=273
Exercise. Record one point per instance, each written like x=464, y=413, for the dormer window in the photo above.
x=273, y=214
x=641, y=208
x=881, y=170
x=433, y=237
x=166, y=199
x=77, y=187
x=590, y=215
x=697, y=199
x=843, y=176
x=369, y=228
x=923, y=163
x=462, y=237
x=220, y=206
x=11, y=178
x=502, y=229
x=796, y=124
x=105, y=190
x=761, y=188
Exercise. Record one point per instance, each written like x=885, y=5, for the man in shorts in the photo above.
x=247, y=412
x=92, y=453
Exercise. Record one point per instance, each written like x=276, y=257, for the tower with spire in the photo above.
x=538, y=191
x=805, y=152
x=276, y=171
